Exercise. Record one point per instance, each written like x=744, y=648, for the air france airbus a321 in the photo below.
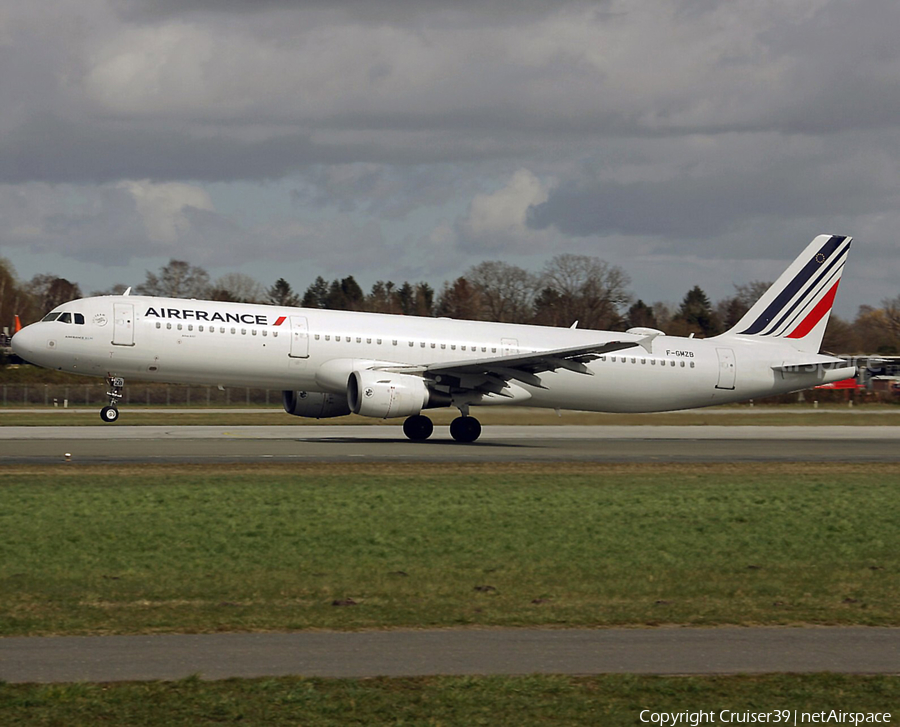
x=330, y=363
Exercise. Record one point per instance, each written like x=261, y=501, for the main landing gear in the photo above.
x=463, y=429
x=110, y=413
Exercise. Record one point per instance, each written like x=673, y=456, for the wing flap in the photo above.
x=491, y=374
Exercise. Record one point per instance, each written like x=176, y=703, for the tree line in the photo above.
x=570, y=290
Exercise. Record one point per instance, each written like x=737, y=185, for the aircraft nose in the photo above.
x=27, y=343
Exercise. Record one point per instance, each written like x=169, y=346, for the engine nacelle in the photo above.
x=314, y=404
x=384, y=395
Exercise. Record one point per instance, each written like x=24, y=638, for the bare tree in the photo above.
x=14, y=300
x=892, y=316
x=117, y=289
x=731, y=310
x=584, y=289
x=239, y=288
x=48, y=291
x=506, y=292
x=178, y=279
x=459, y=300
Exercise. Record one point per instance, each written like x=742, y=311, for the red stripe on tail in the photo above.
x=815, y=315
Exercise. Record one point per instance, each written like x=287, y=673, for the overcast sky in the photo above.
x=688, y=141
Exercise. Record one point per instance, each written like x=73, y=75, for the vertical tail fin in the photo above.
x=797, y=306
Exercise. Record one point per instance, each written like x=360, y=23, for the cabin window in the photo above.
x=274, y=334
x=671, y=363
x=462, y=348
x=443, y=345
x=179, y=326
x=643, y=361
x=378, y=341
x=493, y=349
x=633, y=360
x=253, y=331
x=265, y=333
x=168, y=326
x=358, y=339
x=243, y=331
x=692, y=364
x=327, y=337
x=158, y=324
x=682, y=364
x=395, y=342
x=422, y=344
x=433, y=345
x=368, y=340
x=653, y=362
x=452, y=346
x=412, y=343
x=233, y=331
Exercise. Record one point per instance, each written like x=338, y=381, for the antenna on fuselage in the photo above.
x=127, y=291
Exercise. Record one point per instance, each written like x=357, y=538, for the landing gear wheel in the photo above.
x=418, y=428
x=465, y=429
x=109, y=414
x=116, y=384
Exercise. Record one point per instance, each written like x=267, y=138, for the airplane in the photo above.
x=331, y=363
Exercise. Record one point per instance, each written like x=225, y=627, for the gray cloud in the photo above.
x=684, y=128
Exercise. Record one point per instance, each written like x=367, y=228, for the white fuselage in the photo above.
x=231, y=344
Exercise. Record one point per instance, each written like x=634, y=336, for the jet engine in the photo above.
x=314, y=404
x=384, y=395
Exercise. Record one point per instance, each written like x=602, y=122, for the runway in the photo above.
x=726, y=650
x=351, y=443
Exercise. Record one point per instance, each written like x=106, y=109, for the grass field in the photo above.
x=86, y=550
x=610, y=701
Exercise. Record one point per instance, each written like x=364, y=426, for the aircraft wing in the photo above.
x=490, y=375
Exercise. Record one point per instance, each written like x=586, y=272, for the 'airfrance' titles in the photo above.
x=184, y=314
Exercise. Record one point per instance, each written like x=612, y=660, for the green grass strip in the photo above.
x=537, y=700
x=200, y=549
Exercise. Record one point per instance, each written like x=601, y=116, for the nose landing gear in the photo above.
x=110, y=413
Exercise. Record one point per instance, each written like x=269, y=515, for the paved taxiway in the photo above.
x=349, y=443
x=727, y=650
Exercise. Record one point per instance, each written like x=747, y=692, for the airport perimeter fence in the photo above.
x=197, y=396
x=151, y=395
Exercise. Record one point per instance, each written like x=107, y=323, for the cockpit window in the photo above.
x=65, y=318
x=51, y=316
x=79, y=319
